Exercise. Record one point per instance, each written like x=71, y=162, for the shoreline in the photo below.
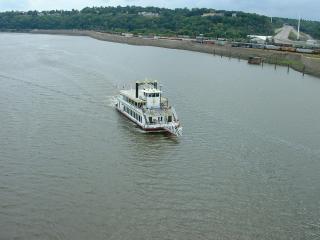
x=304, y=63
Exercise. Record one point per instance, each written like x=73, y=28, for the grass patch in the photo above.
x=293, y=36
x=296, y=64
x=291, y=63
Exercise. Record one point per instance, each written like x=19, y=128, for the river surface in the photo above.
x=71, y=167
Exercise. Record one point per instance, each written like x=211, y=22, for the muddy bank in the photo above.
x=310, y=64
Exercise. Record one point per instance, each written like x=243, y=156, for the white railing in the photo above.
x=174, y=113
x=174, y=129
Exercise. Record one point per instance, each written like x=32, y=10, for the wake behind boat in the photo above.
x=146, y=107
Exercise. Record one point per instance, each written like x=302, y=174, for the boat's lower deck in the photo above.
x=172, y=127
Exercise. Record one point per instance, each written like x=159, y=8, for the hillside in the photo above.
x=152, y=20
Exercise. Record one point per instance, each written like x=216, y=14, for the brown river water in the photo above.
x=71, y=167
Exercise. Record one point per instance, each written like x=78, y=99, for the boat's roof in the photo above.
x=147, y=81
x=132, y=95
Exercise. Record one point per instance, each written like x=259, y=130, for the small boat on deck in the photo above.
x=148, y=108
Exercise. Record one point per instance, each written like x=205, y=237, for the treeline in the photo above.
x=152, y=20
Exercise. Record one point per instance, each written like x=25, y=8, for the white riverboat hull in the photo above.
x=156, y=127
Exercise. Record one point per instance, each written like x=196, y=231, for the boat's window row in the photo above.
x=128, y=100
x=155, y=120
x=151, y=94
x=132, y=113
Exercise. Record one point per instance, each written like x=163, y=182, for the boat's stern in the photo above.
x=175, y=129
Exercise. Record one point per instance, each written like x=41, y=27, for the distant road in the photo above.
x=283, y=35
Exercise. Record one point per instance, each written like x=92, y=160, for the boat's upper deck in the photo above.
x=130, y=97
x=131, y=94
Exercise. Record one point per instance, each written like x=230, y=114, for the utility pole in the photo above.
x=298, y=37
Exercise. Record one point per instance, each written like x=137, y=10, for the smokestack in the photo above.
x=137, y=90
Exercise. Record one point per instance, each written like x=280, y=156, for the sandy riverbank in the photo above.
x=310, y=64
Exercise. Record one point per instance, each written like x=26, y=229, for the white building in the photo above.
x=148, y=14
x=259, y=38
x=211, y=14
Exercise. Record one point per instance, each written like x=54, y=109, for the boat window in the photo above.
x=169, y=118
x=150, y=119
